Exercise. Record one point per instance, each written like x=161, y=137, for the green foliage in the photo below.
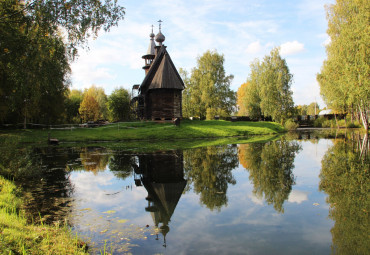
x=79, y=19
x=34, y=68
x=319, y=122
x=34, y=58
x=344, y=77
x=313, y=109
x=345, y=178
x=72, y=105
x=119, y=105
x=268, y=90
x=208, y=88
x=291, y=125
x=275, y=81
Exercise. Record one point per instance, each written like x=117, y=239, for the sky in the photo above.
x=241, y=30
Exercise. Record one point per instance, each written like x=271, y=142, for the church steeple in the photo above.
x=151, y=48
x=150, y=55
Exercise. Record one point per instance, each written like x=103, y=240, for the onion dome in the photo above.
x=159, y=38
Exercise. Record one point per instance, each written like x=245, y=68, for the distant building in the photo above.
x=159, y=97
x=326, y=112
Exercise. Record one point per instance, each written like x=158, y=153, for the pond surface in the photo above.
x=290, y=196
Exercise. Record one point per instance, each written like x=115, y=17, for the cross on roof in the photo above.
x=160, y=21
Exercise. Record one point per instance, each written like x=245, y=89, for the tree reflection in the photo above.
x=47, y=189
x=270, y=167
x=345, y=178
x=209, y=170
x=94, y=159
x=122, y=164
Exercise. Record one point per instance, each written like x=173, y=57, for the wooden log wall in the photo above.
x=164, y=104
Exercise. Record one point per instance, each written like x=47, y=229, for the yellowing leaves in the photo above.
x=110, y=212
x=122, y=221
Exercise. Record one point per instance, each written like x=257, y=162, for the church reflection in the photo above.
x=162, y=175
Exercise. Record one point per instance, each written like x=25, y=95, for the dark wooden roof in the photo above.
x=162, y=74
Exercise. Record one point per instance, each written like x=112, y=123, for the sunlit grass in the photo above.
x=19, y=237
x=134, y=131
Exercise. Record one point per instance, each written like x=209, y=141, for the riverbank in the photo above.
x=146, y=131
x=17, y=236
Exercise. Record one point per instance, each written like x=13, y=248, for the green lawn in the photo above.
x=147, y=131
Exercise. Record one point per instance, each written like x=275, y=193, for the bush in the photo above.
x=319, y=122
x=290, y=125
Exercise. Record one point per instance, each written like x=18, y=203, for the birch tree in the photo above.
x=344, y=77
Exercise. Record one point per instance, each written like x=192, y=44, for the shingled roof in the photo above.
x=162, y=74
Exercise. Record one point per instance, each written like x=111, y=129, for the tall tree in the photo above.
x=268, y=91
x=34, y=68
x=241, y=100
x=89, y=109
x=119, y=105
x=248, y=95
x=101, y=98
x=34, y=58
x=344, y=77
x=208, y=90
x=274, y=83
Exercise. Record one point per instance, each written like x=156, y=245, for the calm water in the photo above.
x=291, y=196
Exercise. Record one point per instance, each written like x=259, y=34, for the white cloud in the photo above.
x=297, y=196
x=240, y=30
x=256, y=200
x=254, y=47
x=290, y=48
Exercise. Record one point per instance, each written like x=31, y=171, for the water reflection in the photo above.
x=209, y=169
x=49, y=194
x=270, y=167
x=94, y=159
x=122, y=164
x=90, y=186
x=345, y=178
x=162, y=175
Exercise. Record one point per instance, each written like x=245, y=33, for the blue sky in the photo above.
x=241, y=30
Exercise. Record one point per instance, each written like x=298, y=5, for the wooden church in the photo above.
x=159, y=97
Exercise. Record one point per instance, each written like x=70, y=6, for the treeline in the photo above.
x=93, y=104
x=38, y=40
x=344, y=77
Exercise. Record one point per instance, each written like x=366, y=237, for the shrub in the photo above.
x=354, y=124
x=290, y=125
x=328, y=123
x=318, y=122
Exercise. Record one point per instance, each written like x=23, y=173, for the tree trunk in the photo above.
x=336, y=121
x=363, y=116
